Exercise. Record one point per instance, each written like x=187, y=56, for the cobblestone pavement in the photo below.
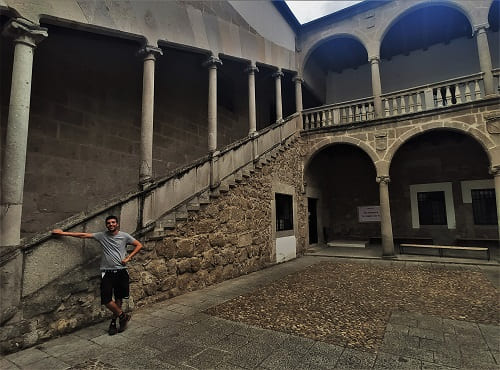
x=178, y=334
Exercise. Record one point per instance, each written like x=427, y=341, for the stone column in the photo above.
x=495, y=171
x=212, y=63
x=385, y=217
x=279, y=109
x=298, y=100
x=376, y=85
x=150, y=53
x=483, y=50
x=298, y=93
x=26, y=35
x=252, y=113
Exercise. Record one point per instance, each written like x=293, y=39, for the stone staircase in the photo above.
x=182, y=212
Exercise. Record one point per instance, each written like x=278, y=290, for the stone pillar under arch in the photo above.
x=279, y=105
x=298, y=99
x=385, y=217
x=252, y=108
x=212, y=64
x=495, y=171
x=483, y=50
x=376, y=85
x=150, y=53
x=26, y=36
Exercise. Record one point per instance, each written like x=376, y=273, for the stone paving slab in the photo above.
x=176, y=334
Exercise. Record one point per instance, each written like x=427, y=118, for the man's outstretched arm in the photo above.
x=68, y=233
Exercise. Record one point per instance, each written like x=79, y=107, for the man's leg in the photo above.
x=115, y=308
x=107, y=283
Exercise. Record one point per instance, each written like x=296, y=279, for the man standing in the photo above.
x=114, y=275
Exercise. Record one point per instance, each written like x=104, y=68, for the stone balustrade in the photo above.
x=340, y=113
x=432, y=96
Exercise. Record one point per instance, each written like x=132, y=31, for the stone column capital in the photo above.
x=495, y=170
x=480, y=28
x=383, y=179
x=374, y=59
x=149, y=52
x=212, y=62
x=252, y=68
x=278, y=73
x=25, y=32
x=298, y=79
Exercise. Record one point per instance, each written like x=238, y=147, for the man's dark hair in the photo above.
x=111, y=217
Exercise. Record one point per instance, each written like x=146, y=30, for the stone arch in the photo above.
x=486, y=143
x=316, y=148
x=403, y=11
x=317, y=43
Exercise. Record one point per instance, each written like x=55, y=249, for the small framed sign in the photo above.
x=369, y=214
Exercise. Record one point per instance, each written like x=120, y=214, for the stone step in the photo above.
x=245, y=174
x=166, y=223
x=181, y=214
x=193, y=205
x=215, y=193
x=223, y=187
x=238, y=177
x=204, y=198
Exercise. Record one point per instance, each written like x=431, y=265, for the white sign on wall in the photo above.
x=369, y=214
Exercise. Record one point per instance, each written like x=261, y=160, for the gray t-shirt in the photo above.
x=113, y=248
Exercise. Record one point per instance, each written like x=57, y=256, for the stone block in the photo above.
x=128, y=216
x=49, y=261
x=185, y=248
x=158, y=268
x=195, y=263
x=183, y=266
x=167, y=248
x=245, y=239
x=11, y=284
x=217, y=240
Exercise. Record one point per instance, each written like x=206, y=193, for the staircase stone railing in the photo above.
x=47, y=258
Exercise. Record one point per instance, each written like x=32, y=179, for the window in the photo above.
x=284, y=212
x=484, y=206
x=431, y=208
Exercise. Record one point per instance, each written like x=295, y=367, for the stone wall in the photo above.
x=227, y=238
x=85, y=119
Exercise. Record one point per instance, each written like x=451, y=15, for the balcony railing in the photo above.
x=416, y=99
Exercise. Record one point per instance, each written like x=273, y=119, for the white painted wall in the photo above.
x=267, y=21
x=286, y=248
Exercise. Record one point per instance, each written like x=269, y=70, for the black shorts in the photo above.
x=114, y=282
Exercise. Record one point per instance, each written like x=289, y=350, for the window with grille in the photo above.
x=484, y=206
x=431, y=208
x=284, y=212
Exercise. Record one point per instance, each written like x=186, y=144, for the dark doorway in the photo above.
x=313, y=220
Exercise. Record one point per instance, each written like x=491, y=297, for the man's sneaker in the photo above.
x=112, y=328
x=124, y=319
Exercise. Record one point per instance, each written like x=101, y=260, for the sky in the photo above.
x=306, y=11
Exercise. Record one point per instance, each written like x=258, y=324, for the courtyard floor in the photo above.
x=310, y=313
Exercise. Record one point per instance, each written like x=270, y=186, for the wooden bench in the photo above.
x=442, y=248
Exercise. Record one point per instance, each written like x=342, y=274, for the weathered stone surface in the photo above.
x=185, y=248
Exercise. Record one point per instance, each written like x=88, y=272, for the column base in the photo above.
x=389, y=257
x=145, y=184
